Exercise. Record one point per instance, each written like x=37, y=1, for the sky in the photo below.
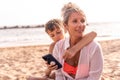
x=34, y=12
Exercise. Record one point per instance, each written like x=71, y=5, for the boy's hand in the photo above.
x=68, y=54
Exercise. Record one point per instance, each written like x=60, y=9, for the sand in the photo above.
x=16, y=63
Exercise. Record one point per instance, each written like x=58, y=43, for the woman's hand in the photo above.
x=50, y=68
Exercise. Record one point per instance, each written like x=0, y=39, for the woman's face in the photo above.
x=57, y=34
x=76, y=25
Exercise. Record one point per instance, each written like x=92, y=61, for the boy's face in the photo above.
x=57, y=34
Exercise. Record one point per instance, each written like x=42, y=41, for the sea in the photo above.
x=38, y=36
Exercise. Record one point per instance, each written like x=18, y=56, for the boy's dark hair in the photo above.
x=53, y=24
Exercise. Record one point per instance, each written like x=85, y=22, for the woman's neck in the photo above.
x=74, y=40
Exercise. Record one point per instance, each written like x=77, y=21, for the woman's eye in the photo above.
x=82, y=20
x=74, y=21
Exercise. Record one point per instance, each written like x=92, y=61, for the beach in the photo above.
x=17, y=63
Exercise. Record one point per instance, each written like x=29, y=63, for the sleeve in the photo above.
x=96, y=64
x=58, y=73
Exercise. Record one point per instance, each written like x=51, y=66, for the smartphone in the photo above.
x=50, y=58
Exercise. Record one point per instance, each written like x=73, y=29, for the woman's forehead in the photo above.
x=76, y=15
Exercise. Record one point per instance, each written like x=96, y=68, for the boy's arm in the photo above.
x=51, y=47
x=84, y=41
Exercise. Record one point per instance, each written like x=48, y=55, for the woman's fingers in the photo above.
x=52, y=66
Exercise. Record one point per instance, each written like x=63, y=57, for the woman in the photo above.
x=87, y=63
x=55, y=29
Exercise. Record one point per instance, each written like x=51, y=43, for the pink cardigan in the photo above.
x=90, y=63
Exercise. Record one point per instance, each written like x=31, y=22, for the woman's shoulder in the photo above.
x=93, y=43
x=92, y=47
x=61, y=41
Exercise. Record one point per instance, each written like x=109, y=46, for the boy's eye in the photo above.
x=52, y=35
x=58, y=32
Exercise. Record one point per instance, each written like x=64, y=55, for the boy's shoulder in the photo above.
x=52, y=44
x=51, y=47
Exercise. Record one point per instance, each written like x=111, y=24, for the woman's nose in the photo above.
x=80, y=24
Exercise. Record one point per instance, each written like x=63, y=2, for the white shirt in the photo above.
x=90, y=63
